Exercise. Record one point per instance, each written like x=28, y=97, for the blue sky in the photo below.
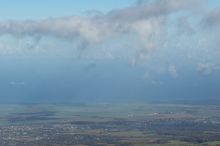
x=128, y=50
x=26, y=9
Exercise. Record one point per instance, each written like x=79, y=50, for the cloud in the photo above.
x=207, y=68
x=89, y=67
x=172, y=70
x=133, y=32
x=2, y=46
x=144, y=22
x=154, y=9
x=17, y=83
x=65, y=27
x=212, y=19
x=184, y=26
x=146, y=76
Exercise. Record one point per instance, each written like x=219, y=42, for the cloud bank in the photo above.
x=146, y=22
x=137, y=30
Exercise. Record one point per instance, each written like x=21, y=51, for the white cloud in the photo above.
x=140, y=29
x=145, y=23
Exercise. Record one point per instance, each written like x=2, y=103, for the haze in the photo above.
x=83, y=50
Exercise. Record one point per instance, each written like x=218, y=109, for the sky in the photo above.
x=26, y=9
x=108, y=50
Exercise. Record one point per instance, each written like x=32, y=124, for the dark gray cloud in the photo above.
x=89, y=67
x=212, y=19
x=157, y=8
x=207, y=68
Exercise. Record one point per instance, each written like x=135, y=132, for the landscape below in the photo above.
x=145, y=124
